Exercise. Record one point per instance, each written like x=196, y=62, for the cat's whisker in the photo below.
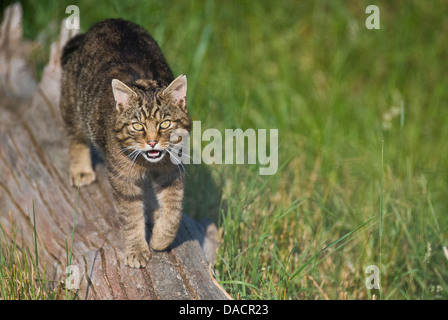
x=128, y=148
x=129, y=157
x=175, y=159
x=181, y=164
x=187, y=155
x=132, y=157
x=173, y=156
x=131, y=164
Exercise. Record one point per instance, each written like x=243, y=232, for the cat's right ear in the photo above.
x=122, y=95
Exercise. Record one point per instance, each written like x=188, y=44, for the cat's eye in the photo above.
x=165, y=124
x=137, y=126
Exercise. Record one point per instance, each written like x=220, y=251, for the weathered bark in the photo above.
x=34, y=172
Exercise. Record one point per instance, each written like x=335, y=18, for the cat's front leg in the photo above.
x=128, y=202
x=81, y=171
x=169, y=190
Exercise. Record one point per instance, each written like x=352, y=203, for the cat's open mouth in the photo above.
x=154, y=155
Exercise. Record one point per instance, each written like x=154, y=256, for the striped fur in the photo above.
x=99, y=111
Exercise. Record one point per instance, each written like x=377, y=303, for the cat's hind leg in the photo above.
x=80, y=169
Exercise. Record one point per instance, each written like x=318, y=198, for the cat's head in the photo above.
x=146, y=120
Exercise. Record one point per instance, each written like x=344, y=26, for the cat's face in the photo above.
x=145, y=124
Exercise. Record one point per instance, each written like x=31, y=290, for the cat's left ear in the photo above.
x=177, y=92
x=122, y=94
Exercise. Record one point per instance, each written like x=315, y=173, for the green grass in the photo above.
x=22, y=277
x=362, y=127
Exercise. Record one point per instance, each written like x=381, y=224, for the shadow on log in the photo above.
x=34, y=178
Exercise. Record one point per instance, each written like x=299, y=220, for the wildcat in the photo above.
x=119, y=94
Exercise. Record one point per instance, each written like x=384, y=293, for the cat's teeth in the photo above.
x=153, y=154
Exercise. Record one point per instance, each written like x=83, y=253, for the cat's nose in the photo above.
x=152, y=143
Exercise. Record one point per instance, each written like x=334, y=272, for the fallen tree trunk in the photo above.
x=34, y=185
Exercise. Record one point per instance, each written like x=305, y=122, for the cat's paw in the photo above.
x=82, y=177
x=160, y=243
x=137, y=259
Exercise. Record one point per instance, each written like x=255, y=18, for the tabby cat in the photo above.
x=119, y=94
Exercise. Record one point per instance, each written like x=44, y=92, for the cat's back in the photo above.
x=120, y=46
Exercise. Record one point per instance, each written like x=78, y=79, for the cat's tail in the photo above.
x=71, y=46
